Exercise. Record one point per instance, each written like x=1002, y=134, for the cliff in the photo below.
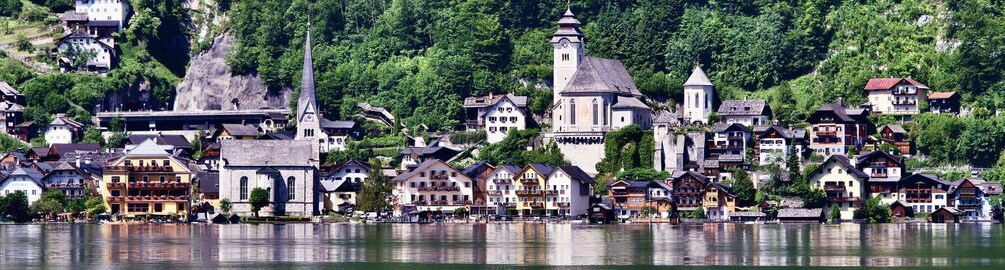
x=210, y=85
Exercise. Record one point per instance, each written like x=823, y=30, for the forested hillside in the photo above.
x=419, y=58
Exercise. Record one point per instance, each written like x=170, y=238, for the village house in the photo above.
x=592, y=97
x=147, y=181
x=67, y=179
x=896, y=95
x=660, y=198
x=719, y=201
x=835, y=129
x=749, y=113
x=177, y=145
x=568, y=190
x=496, y=115
x=25, y=180
x=12, y=111
x=501, y=190
x=339, y=134
x=896, y=135
x=944, y=102
x=844, y=184
x=209, y=188
x=413, y=156
x=948, y=215
x=433, y=186
x=775, y=143
x=972, y=197
x=923, y=193
x=116, y=11
x=63, y=130
x=688, y=190
x=529, y=185
x=730, y=142
x=342, y=184
x=235, y=132
x=83, y=50
x=628, y=197
x=479, y=173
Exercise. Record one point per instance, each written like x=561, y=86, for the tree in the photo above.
x=643, y=174
x=259, y=198
x=76, y=205
x=600, y=185
x=96, y=206
x=376, y=191
x=835, y=213
x=697, y=213
x=225, y=206
x=743, y=187
x=792, y=164
x=9, y=8
x=93, y=135
x=17, y=207
x=54, y=194
x=874, y=211
x=21, y=43
x=46, y=207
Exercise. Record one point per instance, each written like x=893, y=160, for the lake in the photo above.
x=464, y=246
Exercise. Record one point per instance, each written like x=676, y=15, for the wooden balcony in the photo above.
x=918, y=190
x=502, y=181
x=494, y=192
x=528, y=181
x=528, y=192
x=551, y=192
x=159, y=185
x=438, y=177
x=536, y=205
x=843, y=199
x=450, y=188
x=834, y=188
x=878, y=175
x=148, y=198
x=919, y=200
x=115, y=185
x=139, y=169
x=64, y=185
x=563, y=204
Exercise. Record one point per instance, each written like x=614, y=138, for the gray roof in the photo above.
x=989, y=188
x=260, y=153
x=747, y=214
x=865, y=157
x=6, y=89
x=71, y=16
x=951, y=210
x=924, y=177
x=209, y=182
x=177, y=141
x=103, y=23
x=542, y=169
x=696, y=175
x=743, y=108
x=576, y=173
x=600, y=75
x=665, y=116
x=30, y=173
x=723, y=127
x=630, y=103
x=241, y=129
x=63, y=120
x=710, y=163
x=895, y=128
x=730, y=158
x=633, y=183
x=329, y=124
x=800, y=213
x=698, y=78
x=307, y=95
x=512, y=169
x=492, y=100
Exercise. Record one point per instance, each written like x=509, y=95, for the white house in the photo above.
x=568, y=190
x=844, y=184
x=774, y=144
x=104, y=10
x=896, y=95
x=339, y=134
x=100, y=56
x=67, y=179
x=592, y=97
x=499, y=189
x=63, y=130
x=342, y=185
x=750, y=113
x=25, y=180
x=497, y=115
x=286, y=169
x=432, y=186
x=973, y=197
x=699, y=97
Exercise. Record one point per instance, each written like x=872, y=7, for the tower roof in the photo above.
x=698, y=78
x=307, y=96
x=568, y=27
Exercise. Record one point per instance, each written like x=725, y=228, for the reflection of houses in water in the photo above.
x=291, y=243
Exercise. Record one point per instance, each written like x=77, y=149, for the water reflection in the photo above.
x=507, y=244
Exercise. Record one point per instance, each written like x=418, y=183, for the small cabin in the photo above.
x=600, y=213
x=947, y=215
x=901, y=209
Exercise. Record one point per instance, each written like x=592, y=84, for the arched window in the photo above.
x=596, y=113
x=607, y=108
x=291, y=188
x=572, y=111
x=708, y=101
x=696, y=101
x=244, y=188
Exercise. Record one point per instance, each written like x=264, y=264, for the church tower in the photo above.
x=699, y=94
x=308, y=119
x=570, y=50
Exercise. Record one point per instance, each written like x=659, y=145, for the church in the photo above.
x=287, y=169
x=592, y=96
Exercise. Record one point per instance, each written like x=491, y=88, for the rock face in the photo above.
x=209, y=84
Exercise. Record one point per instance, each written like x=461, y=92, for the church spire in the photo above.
x=307, y=103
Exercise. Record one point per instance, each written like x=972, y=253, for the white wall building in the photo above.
x=80, y=43
x=896, y=95
x=62, y=130
x=499, y=188
x=104, y=10
x=750, y=113
x=497, y=115
x=699, y=96
x=568, y=190
x=67, y=179
x=973, y=197
x=432, y=186
x=26, y=180
x=774, y=144
x=286, y=169
x=844, y=184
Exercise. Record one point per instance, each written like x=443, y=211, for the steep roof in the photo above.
x=744, y=107
x=784, y=132
x=34, y=175
x=924, y=177
x=568, y=28
x=698, y=78
x=941, y=95
x=895, y=128
x=800, y=213
x=575, y=173
x=887, y=83
x=700, y=177
x=601, y=75
x=843, y=114
x=6, y=89
x=71, y=16
x=865, y=157
x=512, y=169
x=209, y=182
x=329, y=124
x=177, y=141
x=63, y=120
x=723, y=127
x=724, y=188
x=629, y=103
x=307, y=96
x=352, y=162
x=989, y=188
x=632, y=183
x=542, y=169
x=844, y=162
x=492, y=100
x=472, y=171
x=63, y=148
x=422, y=167
x=258, y=153
x=241, y=129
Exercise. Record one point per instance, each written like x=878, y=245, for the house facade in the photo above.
x=730, y=140
x=82, y=50
x=432, y=186
x=719, y=201
x=104, y=10
x=749, y=113
x=776, y=143
x=496, y=115
x=628, y=197
x=63, y=130
x=501, y=189
x=688, y=190
x=944, y=102
x=896, y=95
x=972, y=196
x=26, y=180
x=529, y=184
x=339, y=134
x=67, y=179
x=844, y=184
x=896, y=135
x=568, y=190
x=147, y=181
x=835, y=129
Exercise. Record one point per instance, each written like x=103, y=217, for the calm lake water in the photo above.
x=460, y=246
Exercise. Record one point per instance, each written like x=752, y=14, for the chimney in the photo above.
x=841, y=101
x=78, y=162
x=87, y=160
x=491, y=96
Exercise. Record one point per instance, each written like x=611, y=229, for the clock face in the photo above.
x=309, y=117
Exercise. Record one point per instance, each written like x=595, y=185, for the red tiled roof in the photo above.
x=941, y=95
x=886, y=84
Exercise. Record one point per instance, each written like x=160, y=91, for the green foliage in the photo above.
x=54, y=195
x=15, y=206
x=117, y=139
x=9, y=8
x=57, y=6
x=513, y=150
x=467, y=138
x=889, y=148
x=259, y=198
x=697, y=213
x=9, y=144
x=39, y=142
x=643, y=174
x=835, y=214
x=93, y=135
x=744, y=187
x=95, y=206
x=225, y=206
x=76, y=205
x=22, y=44
x=874, y=211
x=375, y=194
x=46, y=207
x=600, y=184
x=626, y=149
x=958, y=140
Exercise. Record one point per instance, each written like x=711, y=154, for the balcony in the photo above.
x=116, y=185
x=969, y=206
x=159, y=185
x=826, y=133
x=528, y=192
x=905, y=102
x=438, y=177
x=563, y=204
x=532, y=181
x=64, y=185
x=502, y=181
x=536, y=205
x=918, y=190
x=919, y=200
x=451, y=188
x=509, y=205
x=878, y=175
x=843, y=199
x=838, y=188
x=494, y=192
x=180, y=198
x=139, y=169
x=906, y=91
x=727, y=147
x=735, y=138
x=551, y=192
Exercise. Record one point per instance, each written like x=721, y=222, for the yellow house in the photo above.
x=844, y=184
x=528, y=184
x=147, y=182
x=719, y=201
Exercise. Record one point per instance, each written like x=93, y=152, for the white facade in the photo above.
x=58, y=134
x=774, y=151
x=353, y=172
x=845, y=189
x=433, y=185
x=103, y=53
x=699, y=94
x=501, y=118
x=22, y=182
x=500, y=191
x=70, y=182
x=569, y=51
x=104, y=10
x=566, y=196
x=903, y=98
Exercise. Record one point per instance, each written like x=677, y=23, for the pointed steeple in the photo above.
x=307, y=103
x=698, y=78
x=568, y=27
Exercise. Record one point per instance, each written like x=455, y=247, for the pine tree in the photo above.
x=374, y=194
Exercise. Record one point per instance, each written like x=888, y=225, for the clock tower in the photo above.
x=308, y=120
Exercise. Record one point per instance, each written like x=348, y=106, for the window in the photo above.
x=596, y=113
x=695, y=101
x=116, y=179
x=572, y=111
x=162, y=179
x=291, y=188
x=244, y=188
x=565, y=57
